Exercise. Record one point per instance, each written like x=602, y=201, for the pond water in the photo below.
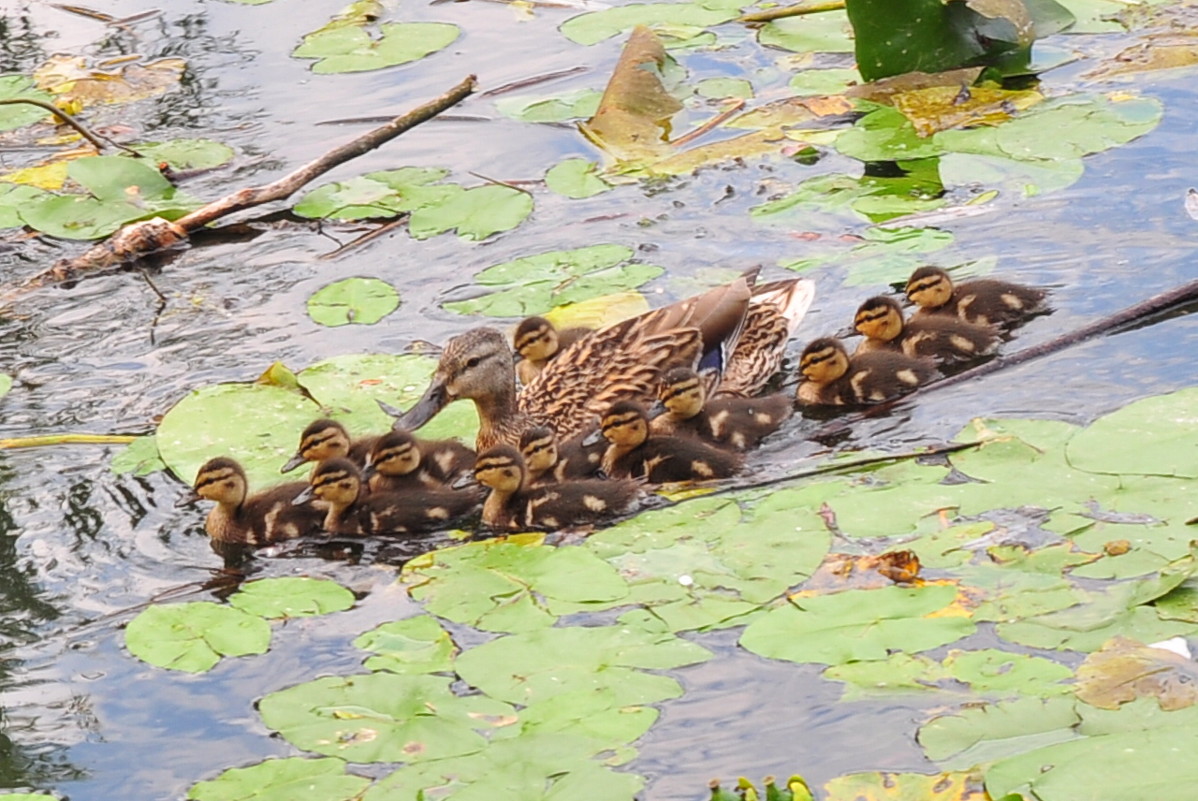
x=82, y=546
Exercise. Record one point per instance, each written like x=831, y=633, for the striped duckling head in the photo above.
x=323, y=439
x=929, y=287
x=824, y=360
x=682, y=392
x=626, y=424
x=222, y=480
x=879, y=318
x=395, y=454
x=538, y=446
x=500, y=468
x=536, y=339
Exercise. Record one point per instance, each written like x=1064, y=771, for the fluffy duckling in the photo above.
x=659, y=459
x=982, y=301
x=738, y=423
x=328, y=439
x=832, y=379
x=338, y=482
x=547, y=460
x=400, y=462
x=537, y=341
x=514, y=506
x=939, y=338
x=268, y=516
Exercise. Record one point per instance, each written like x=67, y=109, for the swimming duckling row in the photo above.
x=953, y=326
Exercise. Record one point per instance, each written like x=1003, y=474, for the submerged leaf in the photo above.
x=964, y=786
x=1124, y=670
x=291, y=596
x=412, y=645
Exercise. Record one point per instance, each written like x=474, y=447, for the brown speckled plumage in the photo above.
x=937, y=337
x=633, y=453
x=832, y=379
x=982, y=301
x=269, y=516
x=728, y=422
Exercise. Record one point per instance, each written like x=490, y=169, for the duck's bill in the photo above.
x=432, y=401
x=187, y=500
x=292, y=463
x=593, y=438
x=304, y=496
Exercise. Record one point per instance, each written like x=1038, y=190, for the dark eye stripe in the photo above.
x=214, y=478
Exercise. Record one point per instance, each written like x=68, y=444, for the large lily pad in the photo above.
x=593, y=27
x=412, y=645
x=292, y=596
x=383, y=717
x=193, y=637
x=990, y=672
x=536, y=284
x=540, y=665
x=361, y=301
x=350, y=48
x=282, y=780
x=858, y=624
x=983, y=733
x=18, y=115
x=1154, y=437
x=259, y=425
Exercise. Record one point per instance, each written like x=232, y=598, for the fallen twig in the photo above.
x=791, y=11
x=98, y=142
x=65, y=439
x=148, y=236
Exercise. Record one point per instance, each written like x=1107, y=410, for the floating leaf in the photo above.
x=539, y=665
x=536, y=284
x=282, y=780
x=291, y=596
x=1154, y=437
x=989, y=672
x=13, y=198
x=73, y=82
x=363, y=301
x=259, y=425
x=412, y=645
x=985, y=732
x=588, y=29
x=720, y=88
x=350, y=48
x=188, y=154
x=505, y=586
x=19, y=115
x=382, y=717
x=194, y=636
x=825, y=32
x=857, y=624
x=5, y=384
x=576, y=178
x=887, y=786
x=823, y=81
x=1124, y=670
x=140, y=457
x=576, y=105
x=475, y=213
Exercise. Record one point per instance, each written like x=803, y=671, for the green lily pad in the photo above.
x=140, y=457
x=193, y=637
x=13, y=198
x=282, y=780
x=1153, y=437
x=720, y=88
x=506, y=586
x=259, y=425
x=123, y=190
x=18, y=115
x=188, y=154
x=536, y=284
x=352, y=49
x=576, y=105
x=576, y=178
x=538, y=665
x=595, y=26
x=986, y=732
x=539, y=767
x=476, y=213
x=362, y=301
x=857, y=624
x=412, y=645
x=989, y=672
x=825, y=32
x=291, y=596
x=823, y=81
x=5, y=384
x=383, y=717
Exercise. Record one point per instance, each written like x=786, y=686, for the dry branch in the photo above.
x=143, y=238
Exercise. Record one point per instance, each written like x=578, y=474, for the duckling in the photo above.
x=536, y=341
x=399, y=462
x=514, y=506
x=939, y=338
x=328, y=439
x=268, y=516
x=548, y=461
x=983, y=301
x=832, y=379
x=738, y=423
x=339, y=483
x=659, y=459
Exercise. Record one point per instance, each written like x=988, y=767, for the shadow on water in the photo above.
x=80, y=547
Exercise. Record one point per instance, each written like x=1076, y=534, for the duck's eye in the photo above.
x=473, y=362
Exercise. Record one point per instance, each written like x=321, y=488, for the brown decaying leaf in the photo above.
x=1159, y=52
x=72, y=81
x=842, y=571
x=792, y=111
x=633, y=120
x=1124, y=670
x=880, y=91
x=941, y=108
